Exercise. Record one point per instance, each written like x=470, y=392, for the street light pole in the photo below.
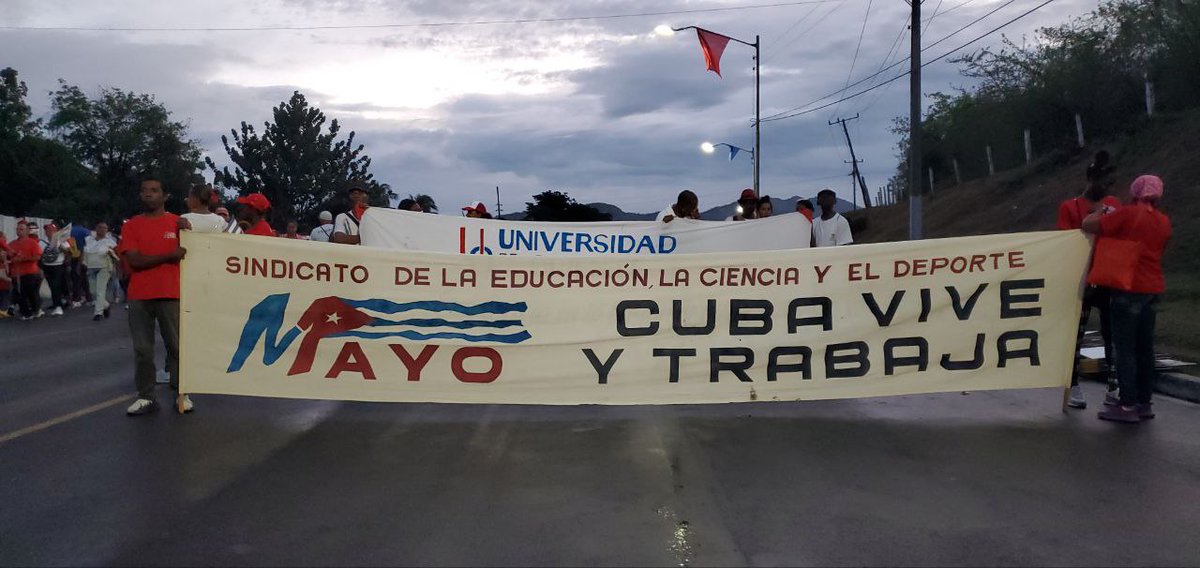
x=757, y=122
x=756, y=155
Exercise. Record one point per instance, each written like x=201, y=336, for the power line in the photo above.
x=819, y=21
x=419, y=24
x=789, y=29
x=905, y=74
x=886, y=60
x=858, y=46
x=881, y=71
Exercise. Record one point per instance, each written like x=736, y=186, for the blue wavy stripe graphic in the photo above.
x=438, y=322
x=418, y=336
x=390, y=307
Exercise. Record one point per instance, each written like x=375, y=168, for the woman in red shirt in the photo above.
x=24, y=270
x=1070, y=218
x=1133, y=310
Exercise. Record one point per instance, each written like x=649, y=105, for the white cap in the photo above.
x=325, y=216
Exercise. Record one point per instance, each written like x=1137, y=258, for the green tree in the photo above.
x=121, y=136
x=558, y=206
x=298, y=165
x=37, y=175
x=425, y=201
x=15, y=115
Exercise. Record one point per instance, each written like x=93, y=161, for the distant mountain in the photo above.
x=779, y=206
x=619, y=214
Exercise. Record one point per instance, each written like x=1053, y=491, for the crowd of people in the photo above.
x=141, y=267
x=828, y=230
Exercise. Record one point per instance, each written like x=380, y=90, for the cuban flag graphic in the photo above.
x=332, y=316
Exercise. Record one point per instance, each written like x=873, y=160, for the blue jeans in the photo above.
x=1133, y=344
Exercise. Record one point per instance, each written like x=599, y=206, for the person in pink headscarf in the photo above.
x=1133, y=310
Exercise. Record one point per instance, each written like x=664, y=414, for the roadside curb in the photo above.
x=1170, y=383
x=1178, y=385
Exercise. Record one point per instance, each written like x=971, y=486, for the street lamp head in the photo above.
x=663, y=30
x=707, y=147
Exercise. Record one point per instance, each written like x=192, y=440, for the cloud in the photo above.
x=596, y=107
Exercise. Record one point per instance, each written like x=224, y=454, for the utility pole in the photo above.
x=497, y=202
x=854, y=161
x=914, y=126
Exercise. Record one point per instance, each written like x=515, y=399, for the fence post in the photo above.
x=1079, y=130
x=991, y=166
x=957, y=175
x=1028, y=147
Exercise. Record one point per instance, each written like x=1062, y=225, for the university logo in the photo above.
x=373, y=319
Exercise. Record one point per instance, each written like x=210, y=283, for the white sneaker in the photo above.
x=57, y=311
x=40, y=313
x=141, y=406
x=76, y=304
x=183, y=404
x=1077, y=400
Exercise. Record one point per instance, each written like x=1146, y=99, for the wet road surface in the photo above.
x=999, y=478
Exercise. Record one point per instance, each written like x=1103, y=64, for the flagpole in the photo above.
x=757, y=123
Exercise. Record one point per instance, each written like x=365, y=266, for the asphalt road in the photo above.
x=979, y=479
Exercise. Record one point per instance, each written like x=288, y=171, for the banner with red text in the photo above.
x=394, y=229
x=283, y=318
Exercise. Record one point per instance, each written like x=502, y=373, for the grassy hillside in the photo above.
x=1026, y=199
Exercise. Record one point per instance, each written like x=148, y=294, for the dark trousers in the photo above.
x=29, y=297
x=143, y=314
x=56, y=277
x=80, y=291
x=1133, y=318
x=1097, y=297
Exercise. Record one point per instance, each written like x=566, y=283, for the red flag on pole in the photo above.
x=713, y=45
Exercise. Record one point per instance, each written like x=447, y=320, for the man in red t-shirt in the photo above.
x=1070, y=218
x=150, y=245
x=23, y=267
x=1134, y=309
x=250, y=216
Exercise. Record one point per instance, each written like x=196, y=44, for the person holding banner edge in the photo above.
x=150, y=245
x=686, y=206
x=1134, y=306
x=1070, y=217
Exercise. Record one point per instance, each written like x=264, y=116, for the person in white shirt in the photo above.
x=100, y=258
x=830, y=229
x=200, y=217
x=686, y=206
x=54, y=249
x=345, y=226
x=321, y=233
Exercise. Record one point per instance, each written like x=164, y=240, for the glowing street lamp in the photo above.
x=709, y=148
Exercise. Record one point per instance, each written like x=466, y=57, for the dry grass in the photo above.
x=1026, y=199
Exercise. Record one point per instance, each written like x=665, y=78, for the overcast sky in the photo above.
x=599, y=107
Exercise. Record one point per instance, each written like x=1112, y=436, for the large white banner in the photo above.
x=283, y=318
x=394, y=229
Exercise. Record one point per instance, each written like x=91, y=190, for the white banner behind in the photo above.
x=394, y=229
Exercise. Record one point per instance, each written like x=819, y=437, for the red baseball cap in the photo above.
x=256, y=200
x=477, y=207
x=747, y=195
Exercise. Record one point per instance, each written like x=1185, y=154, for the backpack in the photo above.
x=49, y=253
